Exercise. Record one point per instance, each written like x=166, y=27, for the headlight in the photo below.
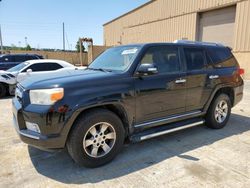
x=46, y=96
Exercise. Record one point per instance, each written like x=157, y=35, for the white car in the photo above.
x=36, y=68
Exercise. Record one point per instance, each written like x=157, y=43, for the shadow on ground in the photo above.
x=6, y=97
x=134, y=157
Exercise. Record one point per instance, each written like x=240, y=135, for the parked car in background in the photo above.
x=8, y=61
x=22, y=71
x=133, y=93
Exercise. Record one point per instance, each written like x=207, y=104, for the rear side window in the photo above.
x=53, y=66
x=20, y=58
x=30, y=57
x=219, y=54
x=195, y=58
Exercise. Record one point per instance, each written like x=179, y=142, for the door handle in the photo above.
x=180, y=81
x=213, y=76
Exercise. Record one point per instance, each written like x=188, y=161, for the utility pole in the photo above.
x=80, y=45
x=1, y=40
x=63, y=37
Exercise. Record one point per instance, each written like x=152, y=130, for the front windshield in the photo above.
x=18, y=67
x=116, y=59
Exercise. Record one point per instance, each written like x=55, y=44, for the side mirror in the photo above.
x=147, y=69
x=29, y=71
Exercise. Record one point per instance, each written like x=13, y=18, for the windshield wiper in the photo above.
x=100, y=69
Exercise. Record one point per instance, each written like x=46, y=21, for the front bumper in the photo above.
x=45, y=140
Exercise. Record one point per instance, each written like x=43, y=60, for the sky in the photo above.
x=39, y=22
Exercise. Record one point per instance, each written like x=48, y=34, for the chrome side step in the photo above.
x=166, y=129
x=171, y=130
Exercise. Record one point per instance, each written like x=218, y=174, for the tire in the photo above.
x=219, y=112
x=83, y=151
x=2, y=90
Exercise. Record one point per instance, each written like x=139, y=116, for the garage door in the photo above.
x=218, y=26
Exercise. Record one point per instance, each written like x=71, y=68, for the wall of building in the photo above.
x=71, y=57
x=94, y=51
x=166, y=21
x=244, y=60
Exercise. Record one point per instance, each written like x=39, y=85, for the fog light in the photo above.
x=32, y=127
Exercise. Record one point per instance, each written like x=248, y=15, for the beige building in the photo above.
x=224, y=21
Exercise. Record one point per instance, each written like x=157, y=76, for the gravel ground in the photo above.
x=190, y=158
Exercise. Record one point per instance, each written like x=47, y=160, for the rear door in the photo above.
x=198, y=89
x=162, y=94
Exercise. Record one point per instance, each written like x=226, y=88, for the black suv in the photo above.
x=129, y=93
x=8, y=61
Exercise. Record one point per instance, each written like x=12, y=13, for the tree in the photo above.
x=28, y=48
x=78, y=47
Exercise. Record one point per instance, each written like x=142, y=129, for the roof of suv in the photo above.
x=182, y=43
x=2, y=55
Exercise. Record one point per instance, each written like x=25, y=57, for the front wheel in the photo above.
x=97, y=137
x=219, y=112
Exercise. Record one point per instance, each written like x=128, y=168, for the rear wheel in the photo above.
x=97, y=137
x=2, y=90
x=219, y=112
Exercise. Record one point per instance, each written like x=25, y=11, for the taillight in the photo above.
x=241, y=71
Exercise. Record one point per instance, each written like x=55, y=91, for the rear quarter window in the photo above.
x=221, y=57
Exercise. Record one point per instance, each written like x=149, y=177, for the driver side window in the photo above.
x=165, y=58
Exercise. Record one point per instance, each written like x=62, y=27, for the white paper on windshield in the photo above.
x=129, y=51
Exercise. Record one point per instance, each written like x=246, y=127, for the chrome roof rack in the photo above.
x=199, y=43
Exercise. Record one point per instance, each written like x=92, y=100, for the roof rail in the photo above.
x=200, y=43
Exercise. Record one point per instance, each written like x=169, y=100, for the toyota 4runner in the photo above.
x=129, y=93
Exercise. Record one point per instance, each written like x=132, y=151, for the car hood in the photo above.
x=62, y=78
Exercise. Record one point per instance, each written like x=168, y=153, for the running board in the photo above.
x=166, y=129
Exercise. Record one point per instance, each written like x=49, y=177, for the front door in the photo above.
x=162, y=94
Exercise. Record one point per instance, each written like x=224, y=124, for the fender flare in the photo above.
x=75, y=114
x=217, y=88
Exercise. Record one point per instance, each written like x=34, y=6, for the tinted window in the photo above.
x=195, y=58
x=43, y=67
x=30, y=57
x=219, y=54
x=20, y=58
x=53, y=66
x=166, y=58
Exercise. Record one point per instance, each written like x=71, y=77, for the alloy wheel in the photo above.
x=221, y=111
x=99, y=139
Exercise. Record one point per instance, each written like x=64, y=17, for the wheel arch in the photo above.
x=227, y=89
x=116, y=108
